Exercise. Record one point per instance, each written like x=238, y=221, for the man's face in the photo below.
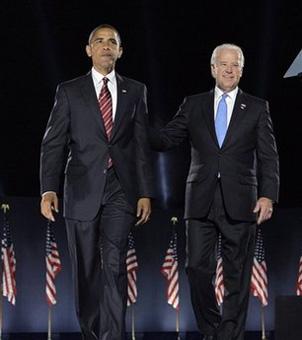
x=227, y=69
x=104, y=49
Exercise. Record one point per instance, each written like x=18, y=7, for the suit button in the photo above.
x=105, y=171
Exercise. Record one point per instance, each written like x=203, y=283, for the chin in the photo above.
x=108, y=64
x=229, y=88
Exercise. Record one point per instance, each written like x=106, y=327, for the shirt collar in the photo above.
x=232, y=94
x=98, y=77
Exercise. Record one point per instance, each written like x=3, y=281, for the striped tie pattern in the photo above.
x=105, y=103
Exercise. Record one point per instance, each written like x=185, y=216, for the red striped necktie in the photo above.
x=105, y=103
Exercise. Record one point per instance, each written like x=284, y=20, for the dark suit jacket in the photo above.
x=247, y=162
x=75, y=122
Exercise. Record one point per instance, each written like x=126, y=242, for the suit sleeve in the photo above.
x=144, y=169
x=267, y=157
x=53, y=148
x=174, y=132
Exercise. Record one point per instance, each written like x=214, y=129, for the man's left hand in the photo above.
x=264, y=209
x=143, y=210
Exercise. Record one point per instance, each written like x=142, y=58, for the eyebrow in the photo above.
x=102, y=38
x=232, y=63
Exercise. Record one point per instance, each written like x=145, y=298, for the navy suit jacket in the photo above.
x=76, y=125
x=247, y=161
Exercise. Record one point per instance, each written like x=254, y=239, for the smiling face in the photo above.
x=227, y=69
x=104, y=49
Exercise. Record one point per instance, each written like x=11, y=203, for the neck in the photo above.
x=226, y=90
x=103, y=71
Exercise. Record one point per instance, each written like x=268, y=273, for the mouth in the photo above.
x=107, y=55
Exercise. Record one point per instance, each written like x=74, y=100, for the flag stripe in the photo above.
x=132, y=267
x=259, y=281
x=169, y=270
x=219, y=285
x=53, y=265
x=9, y=265
x=299, y=280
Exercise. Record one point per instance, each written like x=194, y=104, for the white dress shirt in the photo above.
x=112, y=86
x=230, y=100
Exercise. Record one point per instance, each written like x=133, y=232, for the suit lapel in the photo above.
x=122, y=97
x=239, y=111
x=208, y=110
x=88, y=92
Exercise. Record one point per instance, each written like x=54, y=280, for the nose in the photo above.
x=106, y=45
x=229, y=69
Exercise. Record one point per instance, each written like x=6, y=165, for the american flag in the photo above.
x=132, y=267
x=299, y=280
x=259, y=272
x=170, y=271
x=8, y=265
x=219, y=286
x=53, y=265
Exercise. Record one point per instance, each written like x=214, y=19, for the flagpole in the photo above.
x=263, y=337
x=132, y=323
x=49, y=323
x=177, y=324
x=4, y=207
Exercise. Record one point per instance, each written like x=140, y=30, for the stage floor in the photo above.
x=138, y=336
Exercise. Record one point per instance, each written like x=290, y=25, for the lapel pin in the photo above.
x=242, y=106
x=124, y=91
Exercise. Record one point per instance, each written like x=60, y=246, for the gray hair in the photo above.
x=229, y=47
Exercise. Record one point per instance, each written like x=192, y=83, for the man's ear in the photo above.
x=88, y=51
x=213, y=70
x=120, y=53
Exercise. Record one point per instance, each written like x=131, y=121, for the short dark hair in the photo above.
x=91, y=35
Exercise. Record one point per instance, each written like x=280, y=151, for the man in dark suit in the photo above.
x=232, y=184
x=101, y=118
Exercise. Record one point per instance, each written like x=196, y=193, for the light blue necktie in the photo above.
x=221, y=123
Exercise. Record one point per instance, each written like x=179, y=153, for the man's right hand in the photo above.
x=49, y=204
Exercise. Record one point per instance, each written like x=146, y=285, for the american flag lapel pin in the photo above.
x=124, y=91
x=242, y=106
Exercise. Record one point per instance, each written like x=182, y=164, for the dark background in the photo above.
x=167, y=45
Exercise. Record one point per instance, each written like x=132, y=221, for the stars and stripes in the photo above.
x=8, y=265
x=259, y=281
x=132, y=267
x=53, y=265
x=299, y=280
x=218, y=285
x=170, y=271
